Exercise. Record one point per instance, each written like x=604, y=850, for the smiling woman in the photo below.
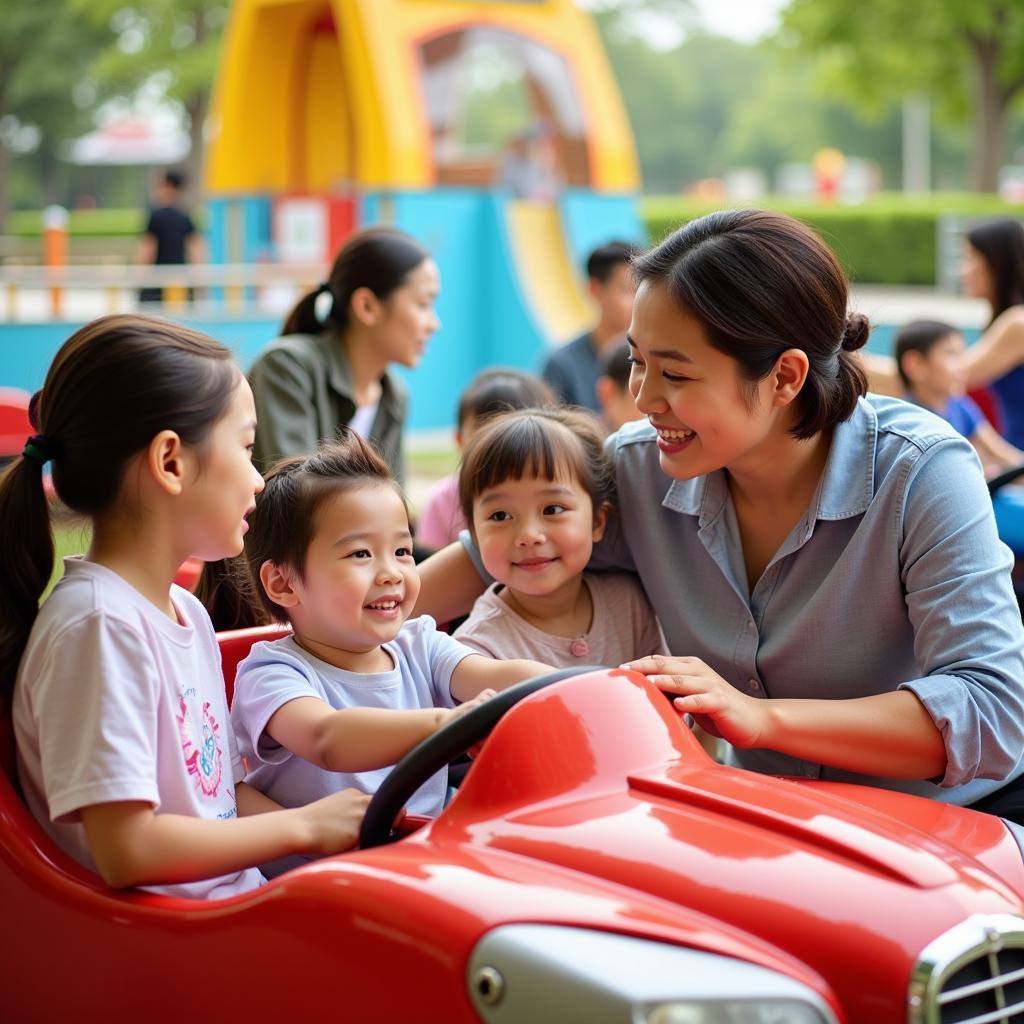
x=825, y=564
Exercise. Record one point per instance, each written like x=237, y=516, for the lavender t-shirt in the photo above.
x=279, y=671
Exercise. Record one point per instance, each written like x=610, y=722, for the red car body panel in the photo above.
x=590, y=805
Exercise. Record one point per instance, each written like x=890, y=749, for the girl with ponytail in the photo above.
x=330, y=368
x=125, y=751
x=824, y=563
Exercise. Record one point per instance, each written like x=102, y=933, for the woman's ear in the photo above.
x=789, y=375
x=166, y=462
x=278, y=582
x=365, y=307
x=600, y=520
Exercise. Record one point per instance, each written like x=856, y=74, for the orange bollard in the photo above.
x=55, y=250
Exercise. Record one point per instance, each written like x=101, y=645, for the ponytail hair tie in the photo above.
x=322, y=308
x=39, y=448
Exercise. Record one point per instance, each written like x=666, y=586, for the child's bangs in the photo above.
x=528, y=447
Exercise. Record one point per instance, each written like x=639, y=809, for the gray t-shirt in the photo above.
x=278, y=671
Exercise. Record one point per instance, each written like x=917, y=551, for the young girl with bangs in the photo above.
x=537, y=490
x=357, y=684
x=125, y=752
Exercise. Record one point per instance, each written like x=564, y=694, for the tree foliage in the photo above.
x=173, y=41
x=968, y=55
x=45, y=52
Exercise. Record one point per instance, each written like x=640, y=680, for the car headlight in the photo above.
x=525, y=972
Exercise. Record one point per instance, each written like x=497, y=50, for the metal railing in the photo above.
x=42, y=292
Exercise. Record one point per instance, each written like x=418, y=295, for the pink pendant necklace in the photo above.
x=578, y=648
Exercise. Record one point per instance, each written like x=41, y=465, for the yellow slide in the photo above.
x=545, y=267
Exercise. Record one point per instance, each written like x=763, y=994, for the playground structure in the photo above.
x=333, y=114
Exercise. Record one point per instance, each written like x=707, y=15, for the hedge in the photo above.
x=890, y=239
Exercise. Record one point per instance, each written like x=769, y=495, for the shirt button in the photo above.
x=753, y=684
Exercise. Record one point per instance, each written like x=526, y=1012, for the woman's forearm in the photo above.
x=890, y=735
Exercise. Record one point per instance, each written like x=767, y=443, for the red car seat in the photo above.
x=15, y=428
x=25, y=838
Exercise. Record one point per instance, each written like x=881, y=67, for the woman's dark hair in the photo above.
x=1001, y=243
x=537, y=442
x=281, y=528
x=501, y=390
x=112, y=387
x=761, y=283
x=380, y=259
x=919, y=336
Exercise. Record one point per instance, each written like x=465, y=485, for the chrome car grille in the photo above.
x=973, y=974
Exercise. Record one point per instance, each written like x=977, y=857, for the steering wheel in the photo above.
x=437, y=750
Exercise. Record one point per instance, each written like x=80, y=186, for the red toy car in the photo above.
x=595, y=866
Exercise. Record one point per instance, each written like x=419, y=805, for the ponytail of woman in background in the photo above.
x=125, y=751
x=330, y=368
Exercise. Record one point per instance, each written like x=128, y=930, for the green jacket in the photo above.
x=303, y=390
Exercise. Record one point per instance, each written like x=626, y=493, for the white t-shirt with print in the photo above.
x=115, y=701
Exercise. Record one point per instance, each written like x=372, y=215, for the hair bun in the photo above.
x=855, y=332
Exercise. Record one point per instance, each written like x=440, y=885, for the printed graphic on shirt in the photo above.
x=200, y=746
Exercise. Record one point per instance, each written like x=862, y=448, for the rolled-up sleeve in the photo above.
x=968, y=637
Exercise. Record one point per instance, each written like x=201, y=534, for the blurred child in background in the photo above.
x=930, y=360
x=613, y=394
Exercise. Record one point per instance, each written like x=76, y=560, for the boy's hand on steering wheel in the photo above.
x=457, y=712
x=716, y=705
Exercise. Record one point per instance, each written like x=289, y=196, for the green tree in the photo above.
x=681, y=101
x=174, y=41
x=45, y=51
x=967, y=54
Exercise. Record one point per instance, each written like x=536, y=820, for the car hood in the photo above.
x=598, y=777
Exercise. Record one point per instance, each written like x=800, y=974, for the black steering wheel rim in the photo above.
x=436, y=751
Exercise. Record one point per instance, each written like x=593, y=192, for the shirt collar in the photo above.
x=340, y=372
x=847, y=483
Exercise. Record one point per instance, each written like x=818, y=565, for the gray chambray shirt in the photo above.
x=894, y=578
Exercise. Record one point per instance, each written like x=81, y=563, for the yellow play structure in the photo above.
x=331, y=114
